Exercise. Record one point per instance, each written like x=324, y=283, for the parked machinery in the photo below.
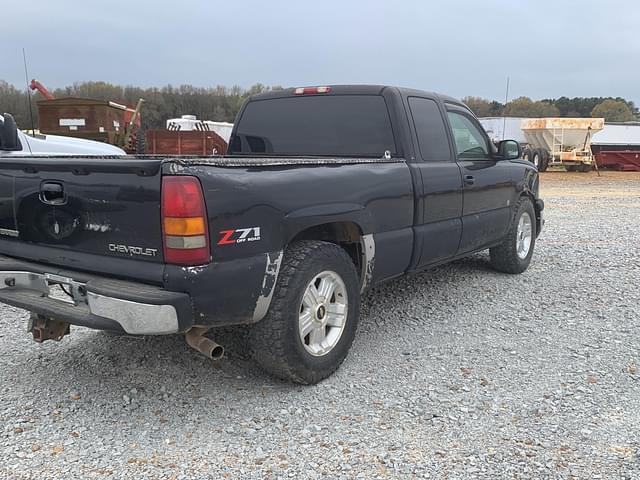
x=99, y=120
x=560, y=141
x=191, y=122
x=189, y=136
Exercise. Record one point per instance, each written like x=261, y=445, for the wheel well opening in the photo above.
x=345, y=234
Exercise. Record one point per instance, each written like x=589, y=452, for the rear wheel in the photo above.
x=585, y=167
x=140, y=142
x=514, y=254
x=544, y=162
x=526, y=154
x=312, y=320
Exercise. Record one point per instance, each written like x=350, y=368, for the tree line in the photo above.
x=611, y=109
x=222, y=103
x=207, y=103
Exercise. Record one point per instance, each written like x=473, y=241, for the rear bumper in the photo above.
x=95, y=302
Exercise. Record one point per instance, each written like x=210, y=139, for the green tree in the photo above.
x=483, y=107
x=16, y=102
x=583, y=106
x=496, y=108
x=525, y=107
x=613, y=111
x=480, y=106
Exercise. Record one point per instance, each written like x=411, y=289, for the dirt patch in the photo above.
x=608, y=183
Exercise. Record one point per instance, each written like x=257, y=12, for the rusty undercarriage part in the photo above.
x=196, y=339
x=45, y=328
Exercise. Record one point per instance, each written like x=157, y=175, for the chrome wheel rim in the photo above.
x=536, y=160
x=524, y=235
x=323, y=313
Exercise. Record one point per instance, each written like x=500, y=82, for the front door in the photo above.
x=487, y=186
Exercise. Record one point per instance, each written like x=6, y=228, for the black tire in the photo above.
x=537, y=158
x=140, y=142
x=571, y=168
x=275, y=341
x=526, y=154
x=585, y=167
x=504, y=257
x=544, y=162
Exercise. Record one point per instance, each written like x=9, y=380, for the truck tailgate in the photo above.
x=72, y=211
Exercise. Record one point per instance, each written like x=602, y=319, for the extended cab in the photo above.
x=325, y=193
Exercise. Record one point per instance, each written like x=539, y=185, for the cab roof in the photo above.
x=355, y=90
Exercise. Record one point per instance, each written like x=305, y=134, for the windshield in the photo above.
x=331, y=125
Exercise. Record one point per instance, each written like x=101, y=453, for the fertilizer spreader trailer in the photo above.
x=561, y=142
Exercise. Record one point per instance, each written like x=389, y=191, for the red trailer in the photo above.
x=624, y=160
x=618, y=147
x=189, y=142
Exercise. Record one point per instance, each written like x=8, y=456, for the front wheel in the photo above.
x=313, y=316
x=514, y=254
x=539, y=159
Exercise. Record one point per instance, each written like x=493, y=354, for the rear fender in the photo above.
x=349, y=235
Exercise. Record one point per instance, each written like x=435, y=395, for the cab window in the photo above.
x=470, y=142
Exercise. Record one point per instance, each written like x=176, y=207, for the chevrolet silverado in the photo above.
x=325, y=193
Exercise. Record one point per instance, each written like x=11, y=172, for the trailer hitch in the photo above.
x=46, y=328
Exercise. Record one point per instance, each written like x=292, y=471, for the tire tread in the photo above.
x=504, y=257
x=269, y=344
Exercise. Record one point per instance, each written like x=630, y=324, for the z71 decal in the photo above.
x=239, y=235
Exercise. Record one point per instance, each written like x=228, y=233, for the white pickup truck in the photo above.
x=13, y=143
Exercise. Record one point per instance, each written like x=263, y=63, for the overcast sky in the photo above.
x=457, y=47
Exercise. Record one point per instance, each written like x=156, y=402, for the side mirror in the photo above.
x=9, y=134
x=509, y=150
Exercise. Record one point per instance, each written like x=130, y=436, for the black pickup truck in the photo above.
x=325, y=192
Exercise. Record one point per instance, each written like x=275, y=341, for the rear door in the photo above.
x=440, y=202
x=488, y=186
x=89, y=214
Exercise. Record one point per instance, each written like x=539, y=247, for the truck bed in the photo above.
x=110, y=224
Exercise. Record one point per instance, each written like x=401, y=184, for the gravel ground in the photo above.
x=456, y=373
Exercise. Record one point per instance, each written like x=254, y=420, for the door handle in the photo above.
x=469, y=180
x=52, y=193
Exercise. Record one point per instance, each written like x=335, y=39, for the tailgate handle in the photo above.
x=52, y=193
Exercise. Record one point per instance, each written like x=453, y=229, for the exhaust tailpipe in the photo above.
x=196, y=339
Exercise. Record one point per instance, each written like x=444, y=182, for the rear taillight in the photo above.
x=184, y=221
x=311, y=90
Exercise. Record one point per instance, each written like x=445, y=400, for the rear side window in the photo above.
x=430, y=130
x=331, y=125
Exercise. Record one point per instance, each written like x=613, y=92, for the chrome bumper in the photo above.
x=135, y=318
x=87, y=304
